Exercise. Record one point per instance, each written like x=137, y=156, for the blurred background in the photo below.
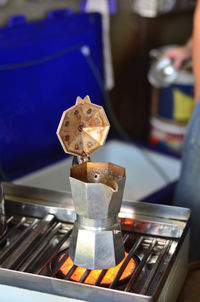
x=51, y=51
x=132, y=36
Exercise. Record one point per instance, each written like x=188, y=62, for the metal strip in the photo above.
x=101, y=223
x=149, y=279
x=9, y=219
x=11, y=247
x=58, y=264
x=67, y=288
x=54, y=253
x=125, y=263
x=100, y=278
x=69, y=274
x=125, y=238
x=20, y=252
x=84, y=276
x=40, y=250
x=16, y=226
x=140, y=267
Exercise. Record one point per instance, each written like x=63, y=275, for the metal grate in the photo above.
x=150, y=255
x=31, y=244
x=29, y=241
x=155, y=236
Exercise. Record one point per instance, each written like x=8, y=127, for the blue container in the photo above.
x=56, y=22
x=44, y=66
x=176, y=102
x=173, y=95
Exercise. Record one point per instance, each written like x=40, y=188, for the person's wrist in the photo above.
x=188, y=49
x=187, y=52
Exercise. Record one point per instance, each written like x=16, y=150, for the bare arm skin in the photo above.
x=196, y=50
x=181, y=54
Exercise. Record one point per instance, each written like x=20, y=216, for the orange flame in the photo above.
x=94, y=274
x=126, y=221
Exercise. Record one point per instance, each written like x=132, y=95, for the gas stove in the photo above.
x=34, y=249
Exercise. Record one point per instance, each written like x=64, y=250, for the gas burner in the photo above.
x=39, y=234
x=120, y=274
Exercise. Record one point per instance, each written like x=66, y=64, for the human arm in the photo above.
x=180, y=54
x=196, y=50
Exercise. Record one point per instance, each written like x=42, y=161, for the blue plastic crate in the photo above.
x=56, y=22
x=42, y=71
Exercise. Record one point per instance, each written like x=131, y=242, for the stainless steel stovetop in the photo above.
x=39, y=227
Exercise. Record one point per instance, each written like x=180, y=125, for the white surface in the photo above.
x=142, y=178
x=15, y=294
x=167, y=127
x=102, y=7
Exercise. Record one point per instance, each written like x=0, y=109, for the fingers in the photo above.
x=178, y=62
x=178, y=55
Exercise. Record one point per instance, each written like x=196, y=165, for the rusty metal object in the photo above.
x=97, y=188
x=98, y=172
x=83, y=128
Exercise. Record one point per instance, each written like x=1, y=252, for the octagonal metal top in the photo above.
x=83, y=128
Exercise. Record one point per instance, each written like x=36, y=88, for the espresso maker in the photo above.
x=97, y=188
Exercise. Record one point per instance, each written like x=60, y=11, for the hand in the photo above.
x=179, y=55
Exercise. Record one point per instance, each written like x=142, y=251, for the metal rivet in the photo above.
x=80, y=127
x=76, y=112
x=67, y=137
x=66, y=123
x=89, y=111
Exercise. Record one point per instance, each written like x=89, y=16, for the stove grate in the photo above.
x=32, y=245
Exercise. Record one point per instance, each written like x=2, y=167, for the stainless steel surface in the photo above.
x=162, y=73
x=67, y=288
x=16, y=242
x=2, y=212
x=177, y=275
x=158, y=220
x=44, y=242
x=97, y=190
x=23, y=250
x=39, y=202
x=161, y=259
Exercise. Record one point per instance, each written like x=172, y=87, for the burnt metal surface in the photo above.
x=98, y=172
x=83, y=128
x=154, y=234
